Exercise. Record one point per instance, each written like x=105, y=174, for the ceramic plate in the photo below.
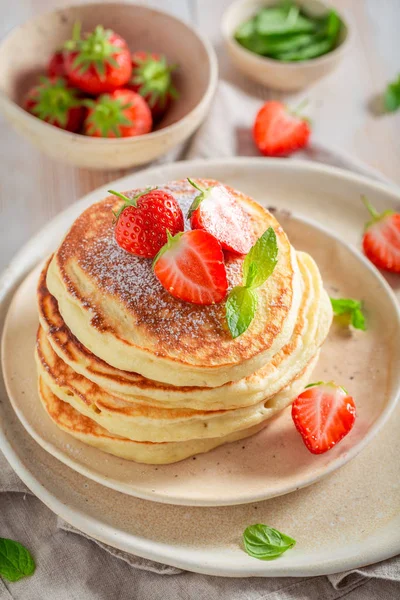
x=335, y=522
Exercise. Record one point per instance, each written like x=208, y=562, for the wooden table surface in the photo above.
x=33, y=188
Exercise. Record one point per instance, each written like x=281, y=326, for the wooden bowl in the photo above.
x=25, y=52
x=287, y=77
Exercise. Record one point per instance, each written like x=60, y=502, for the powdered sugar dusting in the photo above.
x=131, y=279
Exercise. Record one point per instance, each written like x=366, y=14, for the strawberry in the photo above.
x=216, y=211
x=98, y=63
x=277, y=132
x=56, y=66
x=191, y=267
x=120, y=114
x=143, y=221
x=151, y=78
x=323, y=414
x=56, y=103
x=381, y=241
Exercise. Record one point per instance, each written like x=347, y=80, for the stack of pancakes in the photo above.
x=126, y=367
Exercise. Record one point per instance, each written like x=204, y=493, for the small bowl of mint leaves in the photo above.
x=284, y=44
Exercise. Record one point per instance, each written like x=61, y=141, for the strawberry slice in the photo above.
x=323, y=414
x=191, y=267
x=278, y=132
x=381, y=241
x=216, y=211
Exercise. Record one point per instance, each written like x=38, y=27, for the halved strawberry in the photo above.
x=277, y=132
x=216, y=211
x=381, y=241
x=323, y=414
x=191, y=267
x=143, y=221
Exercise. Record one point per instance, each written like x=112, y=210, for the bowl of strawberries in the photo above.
x=106, y=86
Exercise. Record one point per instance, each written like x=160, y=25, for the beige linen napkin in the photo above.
x=71, y=566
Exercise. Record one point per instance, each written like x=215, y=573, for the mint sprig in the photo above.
x=266, y=543
x=242, y=302
x=392, y=95
x=15, y=560
x=351, y=310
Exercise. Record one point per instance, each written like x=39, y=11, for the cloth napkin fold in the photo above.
x=73, y=566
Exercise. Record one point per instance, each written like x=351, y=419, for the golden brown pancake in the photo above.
x=114, y=305
x=86, y=430
x=310, y=331
x=142, y=422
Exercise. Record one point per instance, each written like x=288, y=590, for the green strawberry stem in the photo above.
x=54, y=100
x=95, y=49
x=129, y=201
x=327, y=383
x=154, y=78
x=370, y=208
x=374, y=213
x=199, y=198
x=172, y=240
x=299, y=108
x=195, y=185
x=107, y=115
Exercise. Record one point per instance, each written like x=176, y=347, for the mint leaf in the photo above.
x=266, y=543
x=258, y=265
x=15, y=560
x=392, y=95
x=261, y=260
x=351, y=309
x=240, y=308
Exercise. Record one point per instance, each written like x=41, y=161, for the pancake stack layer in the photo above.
x=126, y=367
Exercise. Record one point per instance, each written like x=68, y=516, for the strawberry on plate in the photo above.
x=56, y=66
x=381, y=241
x=56, y=103
x=151, y=78
x=122, y=113
x=277, y=132
x=99, y=62
x=191, y=267
x=323, y=414
x=215, y=210
x=143, y=221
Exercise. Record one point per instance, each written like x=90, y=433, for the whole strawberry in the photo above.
x=143, y=221
x=56, y=66
x=56, y=103
x=277, y=132
x=381, y=241
x=122, y=113
x=99, y=62
x=151, y=78
x=323, y=414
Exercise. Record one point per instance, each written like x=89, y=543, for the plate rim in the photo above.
x=14, y=273
x=115, y=485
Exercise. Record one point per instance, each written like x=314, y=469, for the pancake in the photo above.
x=142, y=422
x=86, y=430
x=312, y=326
x=113, y=304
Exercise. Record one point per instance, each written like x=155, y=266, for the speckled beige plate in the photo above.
x=348, y=519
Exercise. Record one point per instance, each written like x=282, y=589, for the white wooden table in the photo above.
x=33, y=188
